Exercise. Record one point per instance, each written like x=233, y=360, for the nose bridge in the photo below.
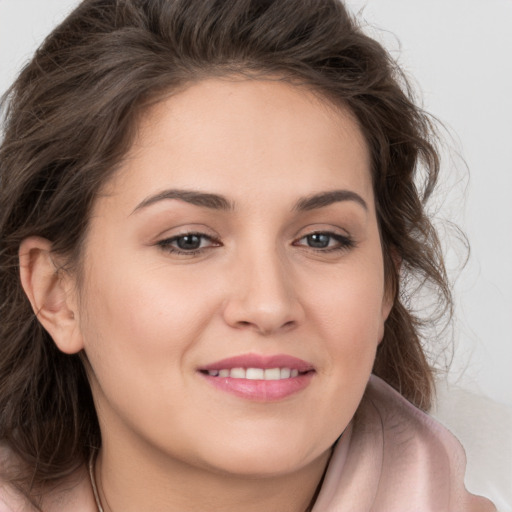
x=263, y=295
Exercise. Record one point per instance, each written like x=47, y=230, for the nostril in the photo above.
x=266, y=329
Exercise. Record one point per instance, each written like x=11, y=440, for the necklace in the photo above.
x=92, y=460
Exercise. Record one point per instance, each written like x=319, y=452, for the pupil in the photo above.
x=189, y=242
x=318, y=240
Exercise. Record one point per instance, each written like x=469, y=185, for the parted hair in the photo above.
x=71, y=115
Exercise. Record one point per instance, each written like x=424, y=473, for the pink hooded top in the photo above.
x=394, y=458
x=391, y=458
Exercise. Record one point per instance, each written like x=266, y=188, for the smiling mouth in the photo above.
x=260, y=378
x=256, y=373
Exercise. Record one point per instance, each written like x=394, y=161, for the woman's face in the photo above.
x=233, y=292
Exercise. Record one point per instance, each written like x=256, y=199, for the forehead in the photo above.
x=240, y=137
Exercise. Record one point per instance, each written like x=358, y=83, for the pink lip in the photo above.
x=260, y=361
x=260, y=390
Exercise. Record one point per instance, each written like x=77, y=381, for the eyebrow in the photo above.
x=205, y=200
x=218, y=202
x=323, y=199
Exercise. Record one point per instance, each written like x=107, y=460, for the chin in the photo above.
x=258, y=466
x=266, y=459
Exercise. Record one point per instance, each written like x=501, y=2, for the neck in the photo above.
x=137, y=481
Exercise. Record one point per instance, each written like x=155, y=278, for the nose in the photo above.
x=263, y=295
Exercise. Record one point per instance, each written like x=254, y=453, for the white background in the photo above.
x=459, y=53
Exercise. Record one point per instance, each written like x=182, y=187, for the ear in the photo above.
x=51, y=293
x=392, y=266
x=387, y=306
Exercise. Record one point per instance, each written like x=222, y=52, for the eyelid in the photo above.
x=345, y=241
x=342, y=241
x=166, y=243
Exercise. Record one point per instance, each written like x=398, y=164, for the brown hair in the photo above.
x=70, y=118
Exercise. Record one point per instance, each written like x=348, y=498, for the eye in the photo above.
x=188, y=243
x=325, y=241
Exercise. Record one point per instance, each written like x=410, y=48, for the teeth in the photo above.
x=237, y=373
x=256, y=373
x=272, y=374
x=285, y=373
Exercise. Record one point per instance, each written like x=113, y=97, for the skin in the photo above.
x=148, y=317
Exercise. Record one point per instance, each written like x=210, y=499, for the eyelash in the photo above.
x=166, y=244
x=343, y=243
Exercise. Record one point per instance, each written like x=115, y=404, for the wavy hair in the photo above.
x=71, y=116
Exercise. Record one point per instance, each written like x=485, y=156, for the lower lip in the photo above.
x=261, y=390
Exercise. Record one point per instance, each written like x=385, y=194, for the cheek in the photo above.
x=349, y=317
x=133, y=315
x=139, y=330
x=137, y=297
x=351, y=303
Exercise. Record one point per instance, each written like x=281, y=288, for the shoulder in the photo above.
x=11, y=499
x=72, y=494
x=395, y=457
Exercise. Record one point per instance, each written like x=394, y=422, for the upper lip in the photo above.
x=260, y=361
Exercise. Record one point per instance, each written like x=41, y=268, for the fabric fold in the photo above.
x=396, y=459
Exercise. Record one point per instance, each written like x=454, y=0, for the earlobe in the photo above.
x=387, y=306
x=50, y=293
x=393, y=263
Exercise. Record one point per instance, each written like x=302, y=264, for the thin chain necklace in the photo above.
x=92, y=460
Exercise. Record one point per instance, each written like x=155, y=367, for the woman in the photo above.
x=208, y=216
